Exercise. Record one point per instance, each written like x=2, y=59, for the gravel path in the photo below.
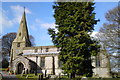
x=10, y=77
x=6, y=76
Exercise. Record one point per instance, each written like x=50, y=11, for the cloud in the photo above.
x=4, y=20
x=48, y=25
x=94, y=34
x=45, y=25
x=33, y=27
x=18, y=11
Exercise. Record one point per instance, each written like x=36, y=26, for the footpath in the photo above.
x=5, y=76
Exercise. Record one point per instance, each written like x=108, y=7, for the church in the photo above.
x=44, y=59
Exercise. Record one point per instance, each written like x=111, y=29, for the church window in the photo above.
x=19, y=34
x=41, y=50
x=97, y=61
x=47, y=49
x=58, y=49
x=18, y=45
x=42, y=62
x=36, y=50
x=21, y=21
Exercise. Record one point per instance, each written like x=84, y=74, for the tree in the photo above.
x=5, y=63
x=109, y=36
x=32, y=40
x=75, y=20
x=7, y=44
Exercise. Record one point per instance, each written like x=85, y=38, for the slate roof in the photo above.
x=46, y=53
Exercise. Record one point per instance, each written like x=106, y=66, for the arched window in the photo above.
x=36, y=50
x=18, y=44
x=47, y=49
x=58, y=49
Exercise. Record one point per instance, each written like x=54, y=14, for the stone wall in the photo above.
x=32, y=52
x=103, y=69
x=101, y=72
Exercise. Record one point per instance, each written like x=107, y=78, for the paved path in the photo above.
x=6, y=76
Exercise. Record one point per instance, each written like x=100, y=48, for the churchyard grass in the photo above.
x=89, y=79
x=34, y=77
x=103, y=78
x=28, y=76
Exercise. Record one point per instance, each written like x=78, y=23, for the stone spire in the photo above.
x=22, y=35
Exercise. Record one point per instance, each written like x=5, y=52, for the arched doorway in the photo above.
x=20, y=68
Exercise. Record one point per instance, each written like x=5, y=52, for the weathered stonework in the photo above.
x=25, y=57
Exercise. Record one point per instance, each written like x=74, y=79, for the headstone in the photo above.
x=45, y=72
x=53, y=76
x=59, y=75
x=40, y=77
x=26, y=76
x=22, y=73
x=84, y=78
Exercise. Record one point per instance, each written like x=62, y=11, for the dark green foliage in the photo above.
x=5, y=63
x=75, y=20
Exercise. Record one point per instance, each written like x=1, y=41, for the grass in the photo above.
x=33, y=77
x=28, y=76
x=104, y=79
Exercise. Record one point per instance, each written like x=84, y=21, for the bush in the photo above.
x=5, y=63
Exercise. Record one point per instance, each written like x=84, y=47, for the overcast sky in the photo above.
x=40, y=18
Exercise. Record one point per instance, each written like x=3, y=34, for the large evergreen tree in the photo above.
x=75, y=20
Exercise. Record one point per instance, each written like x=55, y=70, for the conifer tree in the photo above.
x=75, y=20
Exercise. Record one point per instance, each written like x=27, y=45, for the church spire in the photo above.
x=22, y=35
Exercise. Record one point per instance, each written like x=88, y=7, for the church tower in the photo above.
x=21, y=40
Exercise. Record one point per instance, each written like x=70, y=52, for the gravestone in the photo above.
x=40, y=77
x=22, y=72
x=45, y=73
x=26, y=76
x=84, y=78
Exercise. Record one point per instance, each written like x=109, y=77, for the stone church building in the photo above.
x=43, y=59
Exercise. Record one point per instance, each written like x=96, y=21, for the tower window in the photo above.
x=58, y=49
x=47, y=49
x=21, y=21
x=36, y=50
x=18, y=45
x=19, y=34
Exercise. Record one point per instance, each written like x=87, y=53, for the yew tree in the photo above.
x=74, y=22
